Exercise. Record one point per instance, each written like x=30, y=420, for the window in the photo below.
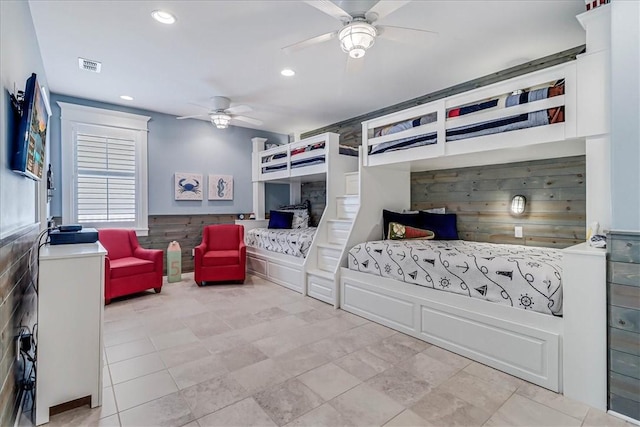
x=104, y=167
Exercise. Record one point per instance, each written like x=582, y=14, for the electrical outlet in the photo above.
x=518, y=232
x=193, y=253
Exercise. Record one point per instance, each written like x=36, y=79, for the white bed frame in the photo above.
x=287, y=270
x=526, y=344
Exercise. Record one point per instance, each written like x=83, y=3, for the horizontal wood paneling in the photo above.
x=624, y=406
x=625, y=364
x=624, y=318
x=624, y=386
x=481, y=197
x=316, y=193
x=624, y=341
x=351, y=130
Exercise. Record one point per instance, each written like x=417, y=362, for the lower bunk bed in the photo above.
x=489, y=317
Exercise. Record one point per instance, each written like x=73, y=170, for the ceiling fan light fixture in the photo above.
x=163, y=17
x=356, y=38
x=220, y=120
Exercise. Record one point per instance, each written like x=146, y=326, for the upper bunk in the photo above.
x=307, y=160
x=543, y=114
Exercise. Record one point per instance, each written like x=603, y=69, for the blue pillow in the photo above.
x=410, y=219
x=443, y=225
x=280, y=220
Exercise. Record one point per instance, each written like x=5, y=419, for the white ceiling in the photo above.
x=233, y=49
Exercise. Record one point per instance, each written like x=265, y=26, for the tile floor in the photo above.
x=260, y=355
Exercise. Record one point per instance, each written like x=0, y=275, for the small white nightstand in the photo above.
x=250, y=224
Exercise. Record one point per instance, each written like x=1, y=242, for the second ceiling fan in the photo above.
x=358, y=32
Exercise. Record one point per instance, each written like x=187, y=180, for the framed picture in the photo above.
x=188, y=186
x=220, y=187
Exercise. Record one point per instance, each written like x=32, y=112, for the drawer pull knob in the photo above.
x=622, y=322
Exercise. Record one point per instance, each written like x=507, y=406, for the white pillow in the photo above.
x=435, y=210
x=300, y=217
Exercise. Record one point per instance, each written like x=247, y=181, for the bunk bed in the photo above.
x=281, y=255
x=548, y=113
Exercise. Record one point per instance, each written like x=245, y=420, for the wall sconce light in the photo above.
x=518, y=204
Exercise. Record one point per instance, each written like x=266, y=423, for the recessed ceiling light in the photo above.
x=126, y=97
x=163, y=17
x=288, y=72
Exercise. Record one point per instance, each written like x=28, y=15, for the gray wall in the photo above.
x=18, y=213
x=179, y=146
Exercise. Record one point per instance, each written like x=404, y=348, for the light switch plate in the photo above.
x=518, y=232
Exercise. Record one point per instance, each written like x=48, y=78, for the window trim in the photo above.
x=71, y=117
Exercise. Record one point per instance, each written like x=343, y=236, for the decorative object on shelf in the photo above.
x=188, y=186
x=50, y=188
x=220, y=187
x=241, y=216
x=518, y=204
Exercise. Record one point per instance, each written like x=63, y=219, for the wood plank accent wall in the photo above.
x=350, y=130
x=18, y=306
x=623, y=286
x=316, y=193
x=481, y=196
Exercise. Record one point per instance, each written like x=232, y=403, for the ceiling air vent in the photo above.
x=89, y=65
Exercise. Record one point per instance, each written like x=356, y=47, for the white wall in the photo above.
x=625, y=115
x=20, y=57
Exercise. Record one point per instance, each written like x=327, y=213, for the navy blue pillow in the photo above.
x=443, y=225
x=410, y=219
x=279, y=219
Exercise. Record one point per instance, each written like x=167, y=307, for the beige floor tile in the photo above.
x=119, y=325
x=120, y=352
x=407, y=418
x=241, y=356
x=554, y=400
x=295, y=308
x=197, y=371
x=380, y=330
x=483, y=394
x=260, y=375
x=520, y=411
x=244, y=413
x=356, y=320
x=329, y=380
x=323, y=415
x=300, y=360
x=287, y=401
x=447, y=357
x=162, y=324
x=241, y=321
x=271, y=313
x=144, y=389
x=223, y=342
x=211, y=395
x=271, y=327
x=135, y=367
x=173, y=339
x=493, y=375
x=431, y=370
x=106, y=376
x=362, y=364
x=170, y=410
x=278, y=344
x=311, y=315
x=443, y=409
x=400, y=385
x=108, y=407
x=179, y=355
x=204, y=325
x=597, y=418
x=394, y=350
x=112, y=421
x=125, y=336
x=365, y=406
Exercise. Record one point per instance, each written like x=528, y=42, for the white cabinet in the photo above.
x=70, y=318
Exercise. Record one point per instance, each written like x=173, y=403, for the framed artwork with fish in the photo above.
x=220, y=187
x=188, y=186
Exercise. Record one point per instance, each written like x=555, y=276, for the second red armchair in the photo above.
x=222, y=255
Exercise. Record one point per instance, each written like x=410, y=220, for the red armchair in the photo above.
x=222, y=255
x=129, y=268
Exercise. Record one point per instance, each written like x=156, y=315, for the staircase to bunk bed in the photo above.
x=324, y=260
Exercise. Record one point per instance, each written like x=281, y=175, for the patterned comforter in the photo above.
x=519, y=276
x=295, y=242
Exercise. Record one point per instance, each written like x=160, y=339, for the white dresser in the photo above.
x=70, y=318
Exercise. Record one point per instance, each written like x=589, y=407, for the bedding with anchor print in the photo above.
x=519, y=276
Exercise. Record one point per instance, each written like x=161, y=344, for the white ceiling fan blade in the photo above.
x=384, y=8
x=192, y=117
x=238, y=109
x=402, y=34
x=248, y=120
x=306, y=43
x=330, y=9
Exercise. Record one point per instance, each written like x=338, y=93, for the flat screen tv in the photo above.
x=29, y=146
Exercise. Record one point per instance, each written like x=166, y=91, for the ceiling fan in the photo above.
x=221, y=113
x=358, y=32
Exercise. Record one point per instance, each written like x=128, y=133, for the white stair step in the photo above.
x=328, y=256
x=321, y=273
x=338, y=231
x=352, y=182
x=347, y=206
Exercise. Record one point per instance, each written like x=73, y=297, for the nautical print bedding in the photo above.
x=295, y=242
x=519, y=276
